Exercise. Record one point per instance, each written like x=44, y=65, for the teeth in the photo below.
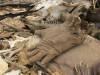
x=50, y=20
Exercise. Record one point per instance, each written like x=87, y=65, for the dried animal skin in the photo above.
x=6, y=34
x=23, y=56
x=86, y=3
x=3, y=65
x=30, y=45
x=13, y=72
x=56, y=73
x=82, y=69
x=44, y=23
x=13, y=22
x=6, y=31
x=15, y=42
x=20, y=40
x=58, y=39
x=24, y=34
x=3, y=12
x=88, y=53
x=20, y=1
x=19, y=48
x=52, y=8
x=4, y=45
x=33, y=73
x=20, y=45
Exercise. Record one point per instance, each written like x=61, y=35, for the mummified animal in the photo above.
x=57, y=39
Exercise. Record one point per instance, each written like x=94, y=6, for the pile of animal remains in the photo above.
x=31, y=38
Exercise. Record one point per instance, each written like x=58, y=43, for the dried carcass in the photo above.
x=23, y=50
x=52, y=43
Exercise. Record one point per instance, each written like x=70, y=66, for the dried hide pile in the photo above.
x=27, y=51
x=36, y=39
x=3, y=65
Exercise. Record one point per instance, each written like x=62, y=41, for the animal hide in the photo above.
x=87, y=53
x=57, y=39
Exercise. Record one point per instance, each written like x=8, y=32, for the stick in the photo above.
x=21, y=5
x=4, y=51
x=16, y=64
x=17, y=14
